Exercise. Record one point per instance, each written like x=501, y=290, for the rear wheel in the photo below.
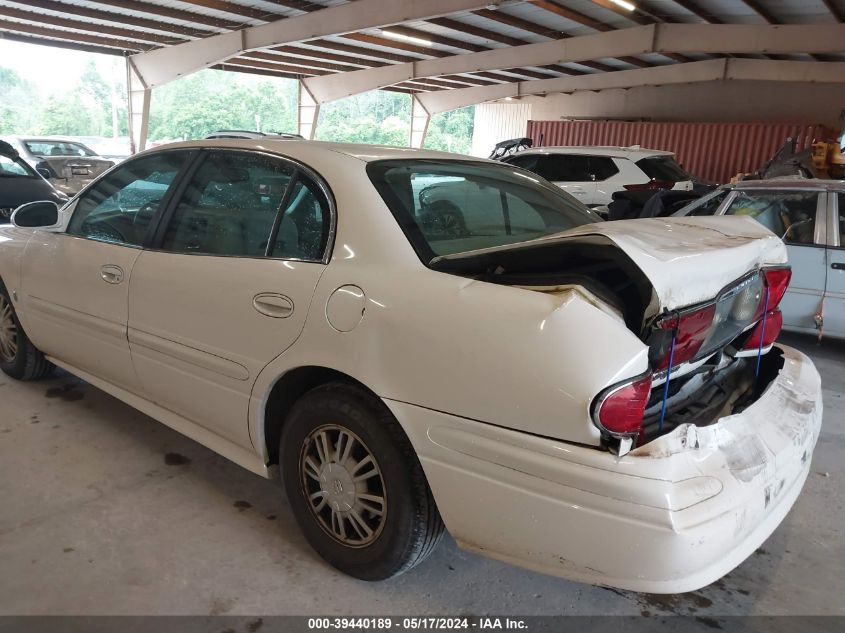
x=19, y=358
x=355, y=484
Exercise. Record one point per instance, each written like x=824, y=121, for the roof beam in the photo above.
x=691, y=72
x=835, y=11
x=160, y=66
x=656, y=38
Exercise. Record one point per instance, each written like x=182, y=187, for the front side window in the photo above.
x=448, y=207
x=790, y=215
x=841, y=203
x=10, y=168
x=528, y=162
x=120, y=207
x=241, y=204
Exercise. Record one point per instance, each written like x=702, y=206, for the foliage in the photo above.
x=378, y=117
x=210, y=100
x=451, y=131
x=19, y=102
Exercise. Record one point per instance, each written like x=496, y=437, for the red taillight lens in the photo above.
x=620, y=410
x=692, y=330
x=652, y=185
x=767, y=331
x=777, y=280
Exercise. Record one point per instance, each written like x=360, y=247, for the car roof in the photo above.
x=788, y=183
x=635, y=152
x=290, y=147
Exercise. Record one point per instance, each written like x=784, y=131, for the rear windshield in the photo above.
x=58, y=148
x=448, y=207
x=662, y=168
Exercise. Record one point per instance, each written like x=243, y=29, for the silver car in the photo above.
x=68, y=164
x=809, y=215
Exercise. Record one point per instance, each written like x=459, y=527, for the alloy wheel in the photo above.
x=8, y=331
x=343, y=484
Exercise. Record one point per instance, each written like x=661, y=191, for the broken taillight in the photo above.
x=690, y=330
x=766, y=332
x=651, y=185
x=777, y=281
x=768, y=328
x=619, y=409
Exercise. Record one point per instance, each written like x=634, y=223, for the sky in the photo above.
x=54, y=69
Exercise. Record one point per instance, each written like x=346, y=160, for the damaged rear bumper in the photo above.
x=671, y=516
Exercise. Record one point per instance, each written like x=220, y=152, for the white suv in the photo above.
x=593, y=174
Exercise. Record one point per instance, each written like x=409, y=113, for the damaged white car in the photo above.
x=599, y=401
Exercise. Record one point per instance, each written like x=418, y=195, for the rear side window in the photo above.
x=788, y=214
x=242, y=204
x=602, y=167
x=564, y=167
x=662, y=168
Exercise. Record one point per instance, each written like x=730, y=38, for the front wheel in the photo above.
x=19, y=358
x=355, y=484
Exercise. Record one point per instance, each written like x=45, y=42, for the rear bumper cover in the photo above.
x=671, y=516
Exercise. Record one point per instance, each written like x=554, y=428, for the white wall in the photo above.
x=496, y=122
x=740, y=101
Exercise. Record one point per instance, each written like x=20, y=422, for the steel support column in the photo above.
x=420, y=118
x=138, y=99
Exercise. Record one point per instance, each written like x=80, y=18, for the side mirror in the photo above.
x=45, y=173
x=33, y=215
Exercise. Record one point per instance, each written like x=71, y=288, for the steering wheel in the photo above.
x=145, y=213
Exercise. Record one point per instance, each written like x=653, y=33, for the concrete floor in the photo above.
x=105, y=511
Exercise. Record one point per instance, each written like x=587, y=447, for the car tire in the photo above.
x=19, y=358
x=319, y=467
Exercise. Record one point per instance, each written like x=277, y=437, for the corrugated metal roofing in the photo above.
x=126, y=27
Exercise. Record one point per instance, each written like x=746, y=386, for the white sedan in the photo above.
x=602, y=401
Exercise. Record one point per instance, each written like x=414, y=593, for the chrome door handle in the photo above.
x=111, y=274
x=273, y=305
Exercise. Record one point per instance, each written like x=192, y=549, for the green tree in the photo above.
x=451, y=131
x=19, y=103
x=195, y=106
x=376, y=117
x=68, y=115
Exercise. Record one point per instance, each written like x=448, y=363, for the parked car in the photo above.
x=246, y=134
x=809, y=215
x=284, y=303
x=20, y=183
x=593, y=174
x=67, y=164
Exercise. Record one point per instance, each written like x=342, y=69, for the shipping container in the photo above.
x=710, y=151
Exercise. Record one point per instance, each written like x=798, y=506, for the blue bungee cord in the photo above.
x=668, y=373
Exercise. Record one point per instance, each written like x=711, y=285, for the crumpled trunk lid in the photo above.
x=690, y=260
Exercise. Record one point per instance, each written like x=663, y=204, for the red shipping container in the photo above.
x=711, y=151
